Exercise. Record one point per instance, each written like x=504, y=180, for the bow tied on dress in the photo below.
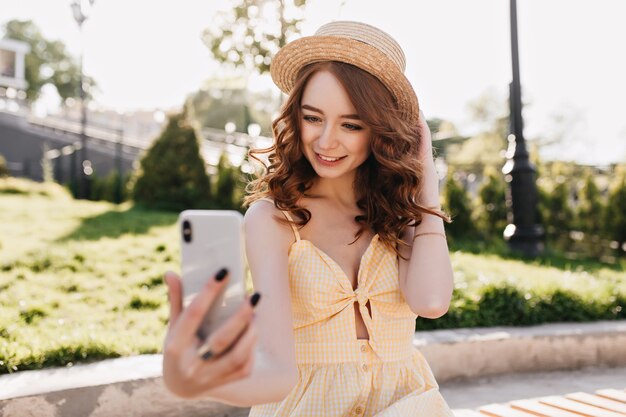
x=362, y=297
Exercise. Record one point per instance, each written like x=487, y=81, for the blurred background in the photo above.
x=149, y=57
x=114, y=115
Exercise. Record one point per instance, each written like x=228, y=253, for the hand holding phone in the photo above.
x=184, y=373
x=212, y=240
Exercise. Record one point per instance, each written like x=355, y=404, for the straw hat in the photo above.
x=355, y=43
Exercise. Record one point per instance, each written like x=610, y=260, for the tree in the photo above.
x=250, y=32
x=48, y=61
x=557, y=214
x=486, y=148
x=478, y=152
x=222, y=101
x=491, y=113
x=615, y=215
x=173, y=174
x=491, y=211
x=590, y=207
x=457, y=202
x=226, y=185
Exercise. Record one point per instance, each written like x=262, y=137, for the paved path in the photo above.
x=503, y=388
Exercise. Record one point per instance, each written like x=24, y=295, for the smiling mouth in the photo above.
x=329, y=159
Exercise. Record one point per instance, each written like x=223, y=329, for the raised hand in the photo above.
x=192, y=367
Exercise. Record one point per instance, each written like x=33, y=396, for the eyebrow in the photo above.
x=345, y=116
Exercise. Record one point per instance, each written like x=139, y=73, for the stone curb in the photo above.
x=133, y=386
x=470, y=353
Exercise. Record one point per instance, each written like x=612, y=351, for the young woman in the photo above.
x=345, y=240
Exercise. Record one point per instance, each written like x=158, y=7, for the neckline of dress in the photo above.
x=336, y=265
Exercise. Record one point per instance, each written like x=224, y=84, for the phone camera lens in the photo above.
x=187, y=231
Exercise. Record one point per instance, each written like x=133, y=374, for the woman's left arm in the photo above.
x=426, y=278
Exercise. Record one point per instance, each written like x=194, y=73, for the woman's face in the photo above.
x=335, y=141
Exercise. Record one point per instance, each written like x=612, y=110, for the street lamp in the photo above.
x=80, y=10
x=523, y=234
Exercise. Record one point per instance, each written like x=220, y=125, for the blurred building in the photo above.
x=12, y=73
x=12, y=63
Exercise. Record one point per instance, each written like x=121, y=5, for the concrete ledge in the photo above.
x=470, y=353
x=133, y=386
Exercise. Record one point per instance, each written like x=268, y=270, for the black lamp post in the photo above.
x=523, y=233
x=80, y=11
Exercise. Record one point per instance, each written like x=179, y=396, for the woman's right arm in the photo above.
x=274, y=373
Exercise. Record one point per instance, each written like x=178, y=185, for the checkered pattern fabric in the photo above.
x=341, y=375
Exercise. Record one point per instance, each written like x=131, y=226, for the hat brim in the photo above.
x=295, y=55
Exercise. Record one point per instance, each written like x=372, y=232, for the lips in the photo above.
x=329, y=158
x=328, y=161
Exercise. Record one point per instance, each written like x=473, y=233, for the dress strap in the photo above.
x=288, y=216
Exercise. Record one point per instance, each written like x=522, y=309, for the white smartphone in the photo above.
x=212, y=240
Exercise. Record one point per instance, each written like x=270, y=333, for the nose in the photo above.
x=327, y=139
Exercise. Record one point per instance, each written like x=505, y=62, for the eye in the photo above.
x=311, y=119
x=350, y=126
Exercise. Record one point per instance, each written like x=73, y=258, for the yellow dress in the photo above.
x=340, y=375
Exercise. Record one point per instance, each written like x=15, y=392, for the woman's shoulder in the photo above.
x=261, y=223
x=261, y=210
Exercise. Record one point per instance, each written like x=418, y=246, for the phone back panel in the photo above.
x=216, y=242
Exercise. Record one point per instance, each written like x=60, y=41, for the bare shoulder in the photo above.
x=261, y=225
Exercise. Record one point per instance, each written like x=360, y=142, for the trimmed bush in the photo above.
x=226, y=185
x=173, y=174
x=506, y=305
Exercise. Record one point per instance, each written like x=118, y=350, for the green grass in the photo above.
x=79, y=280
x=82, y=281
x=473, y=271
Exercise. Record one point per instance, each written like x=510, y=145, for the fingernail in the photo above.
x=254, y=300
x=221, y=274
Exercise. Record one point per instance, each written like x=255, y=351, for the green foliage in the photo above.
x=555, y=206
x=590, y=207
x=492, y=113
x=4, y=170
x=239, y=35
x=61, y=355
x=508, y=305
x=615, y=215
x=491, y=210
x=140, y=302
x=219, y=103
x=32, y=314
x=478, y=152
x=173, y=174
x=48, y=61
x=457, y=202
x=226, y=184
x=110, y=188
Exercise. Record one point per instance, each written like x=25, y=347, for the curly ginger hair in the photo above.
x=388, y=184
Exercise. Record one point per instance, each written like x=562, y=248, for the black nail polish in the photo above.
x=221, y=274
x=254, y=300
